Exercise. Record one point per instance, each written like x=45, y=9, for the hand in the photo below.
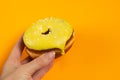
x=14, y=69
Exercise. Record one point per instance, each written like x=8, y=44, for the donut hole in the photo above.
x=46, y=32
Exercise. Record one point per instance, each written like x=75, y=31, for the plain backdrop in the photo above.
x=95, y=54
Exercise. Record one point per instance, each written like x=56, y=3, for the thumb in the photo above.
x=39, y=62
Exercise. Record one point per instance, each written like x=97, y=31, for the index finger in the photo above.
x=39, y=62
x=16, y=51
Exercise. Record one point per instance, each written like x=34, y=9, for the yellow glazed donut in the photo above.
x=48, y=34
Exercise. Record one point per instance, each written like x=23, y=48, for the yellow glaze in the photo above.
x=59, y=32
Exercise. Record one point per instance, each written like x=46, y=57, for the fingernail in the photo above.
x=51, y=54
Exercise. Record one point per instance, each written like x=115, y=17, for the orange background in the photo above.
x=95, y=54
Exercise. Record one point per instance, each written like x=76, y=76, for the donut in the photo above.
x=49, y=34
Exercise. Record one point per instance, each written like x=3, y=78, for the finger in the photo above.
x=13, y=60
x=16, y=52
x=38, y=63
x=39, y=74
x=28, y=59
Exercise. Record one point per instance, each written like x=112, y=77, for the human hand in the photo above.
x=28, y=69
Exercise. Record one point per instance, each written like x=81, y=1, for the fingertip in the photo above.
x=50, y=54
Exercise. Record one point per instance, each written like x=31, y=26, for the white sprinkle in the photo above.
x=55, y=37
x=40, y=27
x=35, y=32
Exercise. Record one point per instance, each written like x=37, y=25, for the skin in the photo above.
x=28, y=69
